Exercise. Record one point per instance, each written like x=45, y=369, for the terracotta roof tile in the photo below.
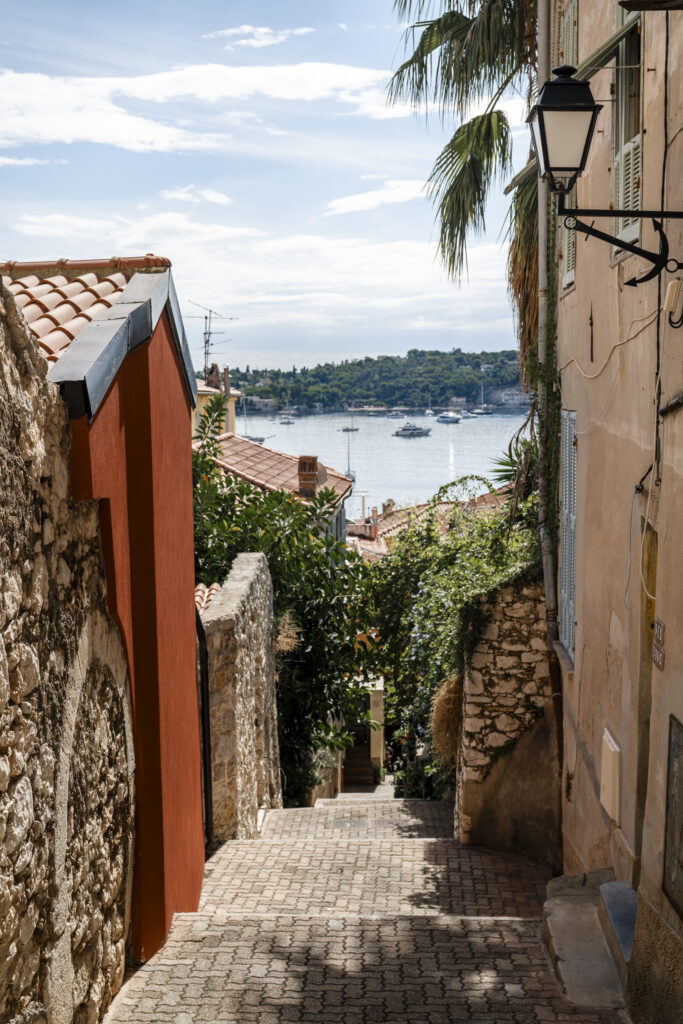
x=203, y=595
x=393, y=522
x=270, y=469
x=58, y=299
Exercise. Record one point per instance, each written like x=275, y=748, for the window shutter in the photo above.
x=627, y=171
x=567, y=610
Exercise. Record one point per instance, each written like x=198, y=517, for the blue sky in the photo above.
x=250, y=143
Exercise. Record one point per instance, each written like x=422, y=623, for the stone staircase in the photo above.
x=589, y=921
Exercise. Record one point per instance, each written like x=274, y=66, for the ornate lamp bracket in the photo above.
x=660, y=261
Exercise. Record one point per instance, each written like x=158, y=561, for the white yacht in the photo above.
x=411, y=430
x=448, y=417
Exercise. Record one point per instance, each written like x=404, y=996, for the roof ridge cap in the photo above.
x=73, y=269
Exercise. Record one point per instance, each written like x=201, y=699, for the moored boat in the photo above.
x=448, y=417
x=412, y=430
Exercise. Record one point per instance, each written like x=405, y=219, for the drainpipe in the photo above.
x=547, y=554
x=543, y=9
x=206, y=728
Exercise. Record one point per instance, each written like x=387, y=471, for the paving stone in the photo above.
x=398, y=924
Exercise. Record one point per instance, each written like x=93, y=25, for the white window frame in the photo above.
x=627, y=171
x=567, y=582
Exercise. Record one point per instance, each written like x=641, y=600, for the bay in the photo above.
x=407, y=470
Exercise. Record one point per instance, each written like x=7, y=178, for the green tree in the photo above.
x=473, y=52
x=427, y=599
x=320, y=599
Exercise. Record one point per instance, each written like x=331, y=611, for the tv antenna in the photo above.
x=209, y=316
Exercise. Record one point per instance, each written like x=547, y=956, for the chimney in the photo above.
x=311, y=473
x=226, y=381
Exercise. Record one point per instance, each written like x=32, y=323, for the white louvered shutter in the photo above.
x=627, y=171
x=567, y=610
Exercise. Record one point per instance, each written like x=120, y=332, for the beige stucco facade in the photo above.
x=204, y=394
x=614, y=350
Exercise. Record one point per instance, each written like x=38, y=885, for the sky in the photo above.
x=251, y=143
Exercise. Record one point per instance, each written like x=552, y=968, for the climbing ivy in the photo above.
x=428, y=596
x=320, y=600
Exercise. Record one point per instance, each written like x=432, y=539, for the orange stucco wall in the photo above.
x=135, y=458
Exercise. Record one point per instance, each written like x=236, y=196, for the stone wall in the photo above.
x=508, y=783
x=66, y=762
x=238, y=623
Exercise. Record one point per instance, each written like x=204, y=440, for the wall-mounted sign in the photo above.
x=658, y=644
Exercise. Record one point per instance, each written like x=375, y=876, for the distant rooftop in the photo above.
x=203, y=595
x=393, y=522
x=270, y=469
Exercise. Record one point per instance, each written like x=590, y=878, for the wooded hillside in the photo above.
x=412, y=380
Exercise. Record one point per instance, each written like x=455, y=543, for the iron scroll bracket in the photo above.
x=660, y=261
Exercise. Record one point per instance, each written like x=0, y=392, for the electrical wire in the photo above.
x=650, y=317
x=656, y=443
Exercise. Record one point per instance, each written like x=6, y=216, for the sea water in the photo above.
x=407, y=470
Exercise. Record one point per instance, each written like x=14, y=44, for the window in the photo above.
x=627, y=128
x=570, y=55
x=568, y=530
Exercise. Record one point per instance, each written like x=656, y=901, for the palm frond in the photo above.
x=465, y=54
x=522, y=267
x=476, y=156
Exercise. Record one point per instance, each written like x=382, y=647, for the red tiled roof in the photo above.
x=391, y=523
x=59, y=298
x=203, y=595
x=270, y=469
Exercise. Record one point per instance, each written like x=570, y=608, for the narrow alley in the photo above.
x=358, y=911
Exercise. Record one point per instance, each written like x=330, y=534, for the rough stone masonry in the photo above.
x=66, y=761
x=244, y=745
x=508, y=791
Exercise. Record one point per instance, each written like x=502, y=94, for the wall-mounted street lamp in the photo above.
x=562, y=126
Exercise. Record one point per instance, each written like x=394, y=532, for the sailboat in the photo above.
x=429, y=411
x=351, y=429
x=246, y=435
x=349, y=472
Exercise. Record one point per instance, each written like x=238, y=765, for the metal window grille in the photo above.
x=568, y=530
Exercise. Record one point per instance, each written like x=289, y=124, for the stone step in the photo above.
x=617, y=912
x=577, y=944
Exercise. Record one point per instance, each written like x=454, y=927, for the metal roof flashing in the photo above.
x=87, y=368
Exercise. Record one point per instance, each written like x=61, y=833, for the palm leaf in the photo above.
x=523, y=267
x=460, y=59
x=478, y=153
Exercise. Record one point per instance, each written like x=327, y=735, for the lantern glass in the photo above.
x=567, y=134
x=562, y=124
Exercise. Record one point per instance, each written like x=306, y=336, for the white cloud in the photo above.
x=158, y=230
x=285, y=282
x=256, y=37
x=342, y=26
x=390, y=192
x=26, y=161
x=212, y=196
x=39, y=108
x=190, y=194
x=423, y=323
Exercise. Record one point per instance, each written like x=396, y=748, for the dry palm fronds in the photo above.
x=288, y=634
x=445, y=722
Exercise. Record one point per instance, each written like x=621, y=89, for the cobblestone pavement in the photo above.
x=321, y=923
